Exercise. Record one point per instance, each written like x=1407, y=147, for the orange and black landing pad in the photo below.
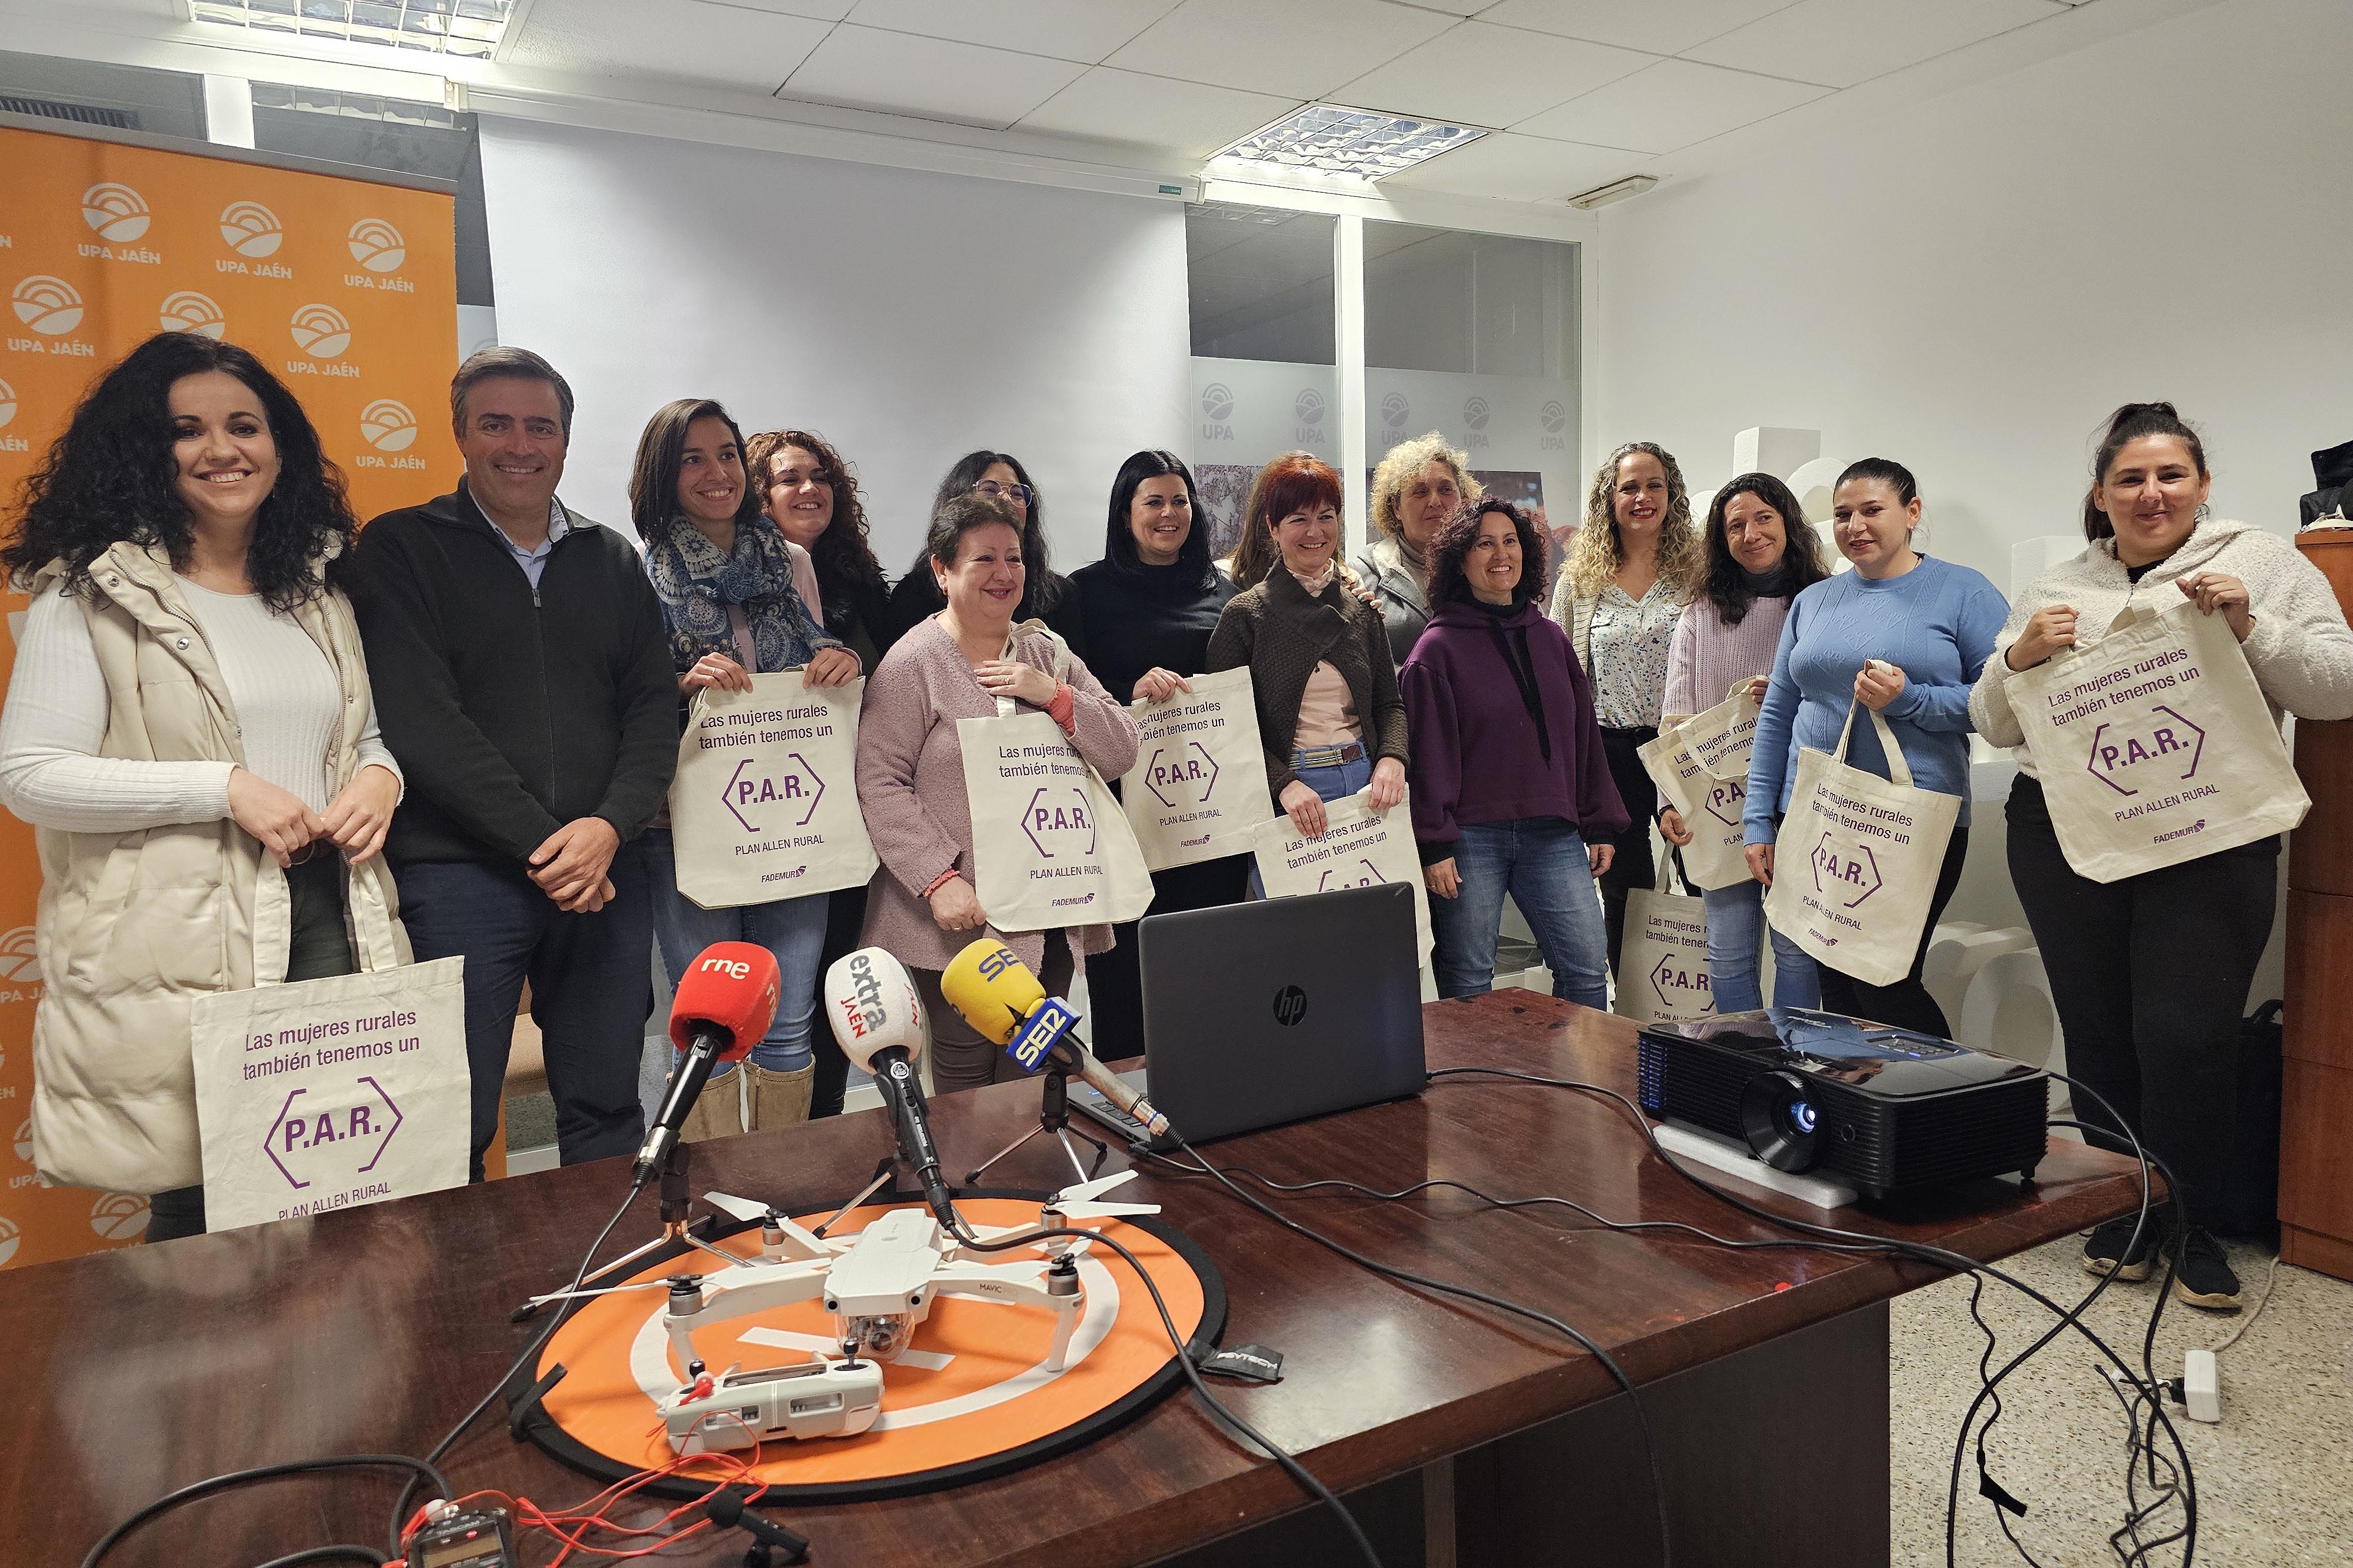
x=970, y=1399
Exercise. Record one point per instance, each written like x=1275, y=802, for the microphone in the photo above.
x=727, y=1512
x=725, y=1000
x=998, y=996
x=877, y=1021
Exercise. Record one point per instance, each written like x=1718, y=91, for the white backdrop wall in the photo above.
x=907, y=317
x=1970, y=286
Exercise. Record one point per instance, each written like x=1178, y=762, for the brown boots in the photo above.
x=777, y=1099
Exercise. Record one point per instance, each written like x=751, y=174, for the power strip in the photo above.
x=2199, y=1389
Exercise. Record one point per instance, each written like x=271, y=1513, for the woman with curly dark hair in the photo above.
x=189, y=730
x=1512, y=792
x=810, y=494
x=1048, y=597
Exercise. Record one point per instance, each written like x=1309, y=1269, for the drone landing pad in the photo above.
x=970, y=1399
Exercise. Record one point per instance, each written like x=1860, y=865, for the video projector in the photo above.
x=1884, y=1109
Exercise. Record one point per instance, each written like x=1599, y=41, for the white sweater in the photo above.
x=288, y=709
x=2300, y=649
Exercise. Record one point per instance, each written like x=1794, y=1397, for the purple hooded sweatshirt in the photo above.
x=1477, y=754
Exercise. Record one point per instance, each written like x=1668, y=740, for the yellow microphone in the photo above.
x=994, y=990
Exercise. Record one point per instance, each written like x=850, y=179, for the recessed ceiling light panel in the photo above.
x=1347, y=144
x=468, y=28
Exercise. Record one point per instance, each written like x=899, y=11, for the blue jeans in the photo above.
x=590, y=992
x=1541, y=863
x=792, y=929
x=1736, y=929
x=1334, y=782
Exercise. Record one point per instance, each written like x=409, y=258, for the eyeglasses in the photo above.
x=1019, y=495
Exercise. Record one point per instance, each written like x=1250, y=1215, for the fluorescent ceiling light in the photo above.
x=1354, y=144
x=469, y=28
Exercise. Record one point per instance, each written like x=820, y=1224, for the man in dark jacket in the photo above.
x=522, y=677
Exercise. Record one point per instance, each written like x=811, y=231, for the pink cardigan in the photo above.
x=910, y=784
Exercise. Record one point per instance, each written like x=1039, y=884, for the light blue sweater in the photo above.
x=1936, y=622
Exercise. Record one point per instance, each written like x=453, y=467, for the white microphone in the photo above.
x=878, y=1020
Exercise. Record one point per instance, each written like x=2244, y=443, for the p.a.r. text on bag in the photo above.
x=765, y=801
x=1700, y=767
x=1662, y=975
x=1050, y=846
x=2154, y=745
x=330, y=1094
x=1360, y=847
x=1855, y=869
x=1198, y=787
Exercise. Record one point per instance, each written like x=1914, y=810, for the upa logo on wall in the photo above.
x=118, y=213
x=387, y=426
x=377, y=245
x=322, y=332
x=20, y=958
x=50, y=306
x=1308, y=408
x=117, y=1216
x=1475, y=415
x=10, y=1238
x=1553, y=421
x=23, y=1141
x=189, y=311
x=251, y=230
x=7, y=413
x=1395, y=412
x=1217, y=412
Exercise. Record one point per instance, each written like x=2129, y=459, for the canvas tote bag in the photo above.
x=1360, y=849
x=2154, y=745
x=1700, y=767
x=329, y=1094
x=1663, y=974
x=765, y=801
x=1855, y=866
x=1198, y=787
x=1050, y=845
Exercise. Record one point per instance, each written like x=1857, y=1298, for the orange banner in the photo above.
x=346, y=287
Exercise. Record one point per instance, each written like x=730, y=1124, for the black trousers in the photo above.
x=2150, y=976
x=319, y=947
x=1633, y=865
x=1906, y=1004
x=1115, y=1027
x=845, y=916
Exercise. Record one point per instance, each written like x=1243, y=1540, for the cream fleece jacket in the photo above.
x=2300, y=649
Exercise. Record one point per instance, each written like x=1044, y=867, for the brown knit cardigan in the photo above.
x=1281, y=635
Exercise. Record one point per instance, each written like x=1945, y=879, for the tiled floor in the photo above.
x=2275, y=1479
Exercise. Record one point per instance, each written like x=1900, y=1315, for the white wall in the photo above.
x=909, y=317
x=1970, y=286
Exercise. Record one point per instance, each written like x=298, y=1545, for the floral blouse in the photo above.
x=1630, y=640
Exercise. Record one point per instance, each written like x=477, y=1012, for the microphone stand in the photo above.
x=1053, y=1116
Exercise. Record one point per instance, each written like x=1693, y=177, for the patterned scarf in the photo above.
x=1321, y=580
x=696, y=585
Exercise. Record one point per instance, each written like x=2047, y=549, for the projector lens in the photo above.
x=1780, y=1121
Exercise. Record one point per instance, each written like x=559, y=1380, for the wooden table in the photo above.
x=1462, y=1433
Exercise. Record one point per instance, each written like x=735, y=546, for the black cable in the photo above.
x=1281, y=1456
x=1952, y=1262
x=421, y=1468
x=563, y=1308
x=328, y=1554
x=1641, y=1414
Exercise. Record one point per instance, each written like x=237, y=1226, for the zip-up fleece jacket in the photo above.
x=513, y=710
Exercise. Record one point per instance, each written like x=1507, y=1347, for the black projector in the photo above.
x=1882, y=1109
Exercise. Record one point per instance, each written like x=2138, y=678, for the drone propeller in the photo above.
x=798, y=1243
x=738, y=1209
x=662, y=1284
x=1076, y=1202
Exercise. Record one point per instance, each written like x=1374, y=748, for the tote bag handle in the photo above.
x=1898, y=770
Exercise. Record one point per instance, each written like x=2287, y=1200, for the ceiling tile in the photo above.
x=1484, y=75
x=1298, y=49
x=1842, y=42
x=1673, y=104
x=931, y=79
x=1183, y=118
x=820, y=10
x=721, y=46
x=1066, y=29
x=1522, y=168
x=1661, y=27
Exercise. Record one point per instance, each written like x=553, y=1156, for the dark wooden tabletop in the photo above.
x=141, y=1371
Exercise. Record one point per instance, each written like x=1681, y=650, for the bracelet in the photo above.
x=1064, y=708
x=942, y=880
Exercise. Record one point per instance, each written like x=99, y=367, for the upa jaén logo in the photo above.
x=251, y=230
x=118, y=213
x=48, y=305
x=189, y=311
x=387, y=426
x=321, y=331
x=377, y=245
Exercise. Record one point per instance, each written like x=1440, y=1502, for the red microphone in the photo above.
x=725, y=1000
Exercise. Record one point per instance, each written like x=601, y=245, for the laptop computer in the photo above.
x=1263, y=1012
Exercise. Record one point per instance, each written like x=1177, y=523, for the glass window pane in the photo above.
x=1475, y=337
x=1260, y=292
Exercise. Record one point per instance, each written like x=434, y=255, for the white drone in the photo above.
x=879, y=1286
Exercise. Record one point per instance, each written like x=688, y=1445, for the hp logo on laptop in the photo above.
x=1290, y=1005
